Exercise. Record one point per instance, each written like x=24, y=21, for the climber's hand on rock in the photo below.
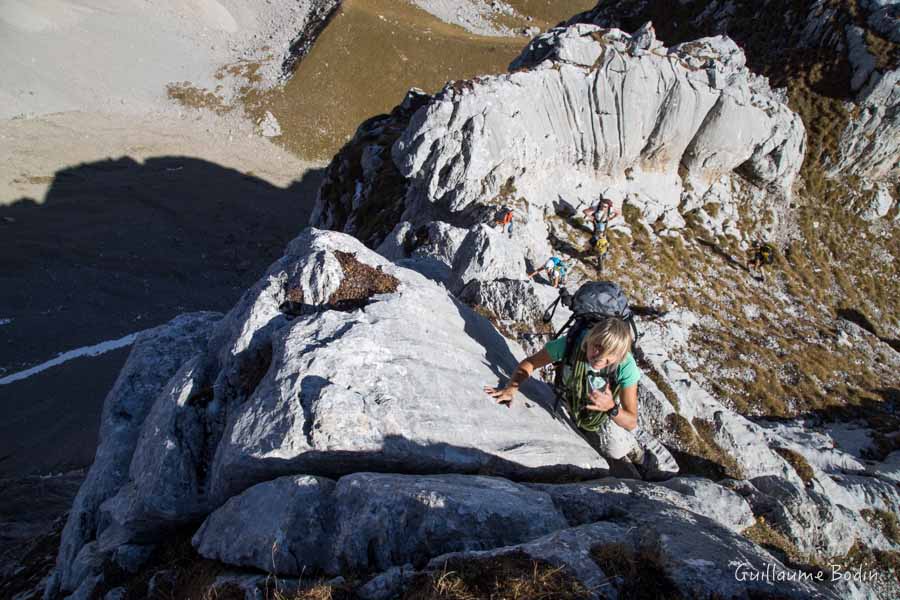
x=502, y=396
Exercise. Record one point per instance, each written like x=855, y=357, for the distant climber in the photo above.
x=762, y=254
x=555, y=269
x=597, y=376
x=505, y=220
x=600, y=216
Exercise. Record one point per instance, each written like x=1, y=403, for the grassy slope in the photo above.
x=372, y=53
x=783, y=360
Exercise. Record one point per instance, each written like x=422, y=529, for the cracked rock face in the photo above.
x=336, y=361
x=366, y=389
x=367, y=521
x=154, y=358
x=868, y=145
x=684, y=554
x=559, y=125
x=584, y=110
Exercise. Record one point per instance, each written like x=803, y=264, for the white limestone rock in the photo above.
x=269, y=126
x=154, y=358
x=412, y=519
x=373, y=392
x=584, y=503
x=695, y=554
x=738, y=437
x=819, y=446
x=475, y=16
x=331, y=392
x=470, y=140
x=513, y=302
x=870, y=145
x=810, y=519
x=487, y=255
x=428, y=249
x=279, y=526
x=881, y=204
x=367, y=521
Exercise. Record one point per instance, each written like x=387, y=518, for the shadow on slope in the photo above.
x=116, y=247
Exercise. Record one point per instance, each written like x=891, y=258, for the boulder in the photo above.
x=366, y=521
x=487, y=255
x=811, y=520
x=868, y=144
x=683, y=554
x=556, y=126
x=584, y=110
x=280, y=526
x=388, y=520
x=340, y=384
x=589, y=502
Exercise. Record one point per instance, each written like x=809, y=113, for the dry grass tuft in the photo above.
x=639, y=573
x=800, y=465
x=658, y=379
x=512, y=576
x=697, y=451
x=191, y=96
x=317, y=591
x=887, y=522
x=370, y=54
x=360, y=283
x=885, y=563
x=191, y=577
x=764, y=535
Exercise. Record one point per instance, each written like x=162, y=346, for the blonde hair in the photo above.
x=613, y=335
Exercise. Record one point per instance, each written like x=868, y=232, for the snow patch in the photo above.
x=95, y=350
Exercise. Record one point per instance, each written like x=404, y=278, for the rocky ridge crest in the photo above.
x=333, y=420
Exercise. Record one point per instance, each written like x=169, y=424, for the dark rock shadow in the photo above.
x=717, y=250
x=881, y=416
x=118, y=246
x=499, y=359
x=401, y=455
x=857, y=318
x=567, y=248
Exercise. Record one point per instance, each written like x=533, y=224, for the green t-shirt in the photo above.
x=627, y=374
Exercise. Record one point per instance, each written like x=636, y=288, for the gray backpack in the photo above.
x=593, y=302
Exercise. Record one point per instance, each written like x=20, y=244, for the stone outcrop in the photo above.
x=864, y=32
x=334, y=420
x=689, y=556
x=371, y=522
x=259, y=469
x=154, y=358
x=315, y=372
x=869, y=146
x=695, y=99
x=557, y=130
